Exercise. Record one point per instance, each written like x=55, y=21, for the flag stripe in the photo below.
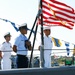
x=49, y=14
x=55, y=5
x=69, y=25
x=53, y=22
x=57, y=14
x=58, y=25
x=62, y=4
x=53, y=25
x=67, y=15
x=58, y=22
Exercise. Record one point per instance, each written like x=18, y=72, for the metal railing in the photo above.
x=36, y=55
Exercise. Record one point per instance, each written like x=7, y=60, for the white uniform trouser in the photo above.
x=47, y=59
x=5, y=63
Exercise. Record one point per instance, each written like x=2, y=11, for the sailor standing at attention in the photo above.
x=21, y=47
x=5, y=52
x=47, y=47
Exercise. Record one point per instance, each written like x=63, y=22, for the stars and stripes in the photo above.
x=56, y=13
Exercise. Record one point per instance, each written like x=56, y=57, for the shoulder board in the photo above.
x=3, y=42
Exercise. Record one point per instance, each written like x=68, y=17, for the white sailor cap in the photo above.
x=46, y=27
x=23, y=26
x=7, y=34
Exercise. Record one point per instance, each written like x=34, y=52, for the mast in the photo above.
x=42, y=40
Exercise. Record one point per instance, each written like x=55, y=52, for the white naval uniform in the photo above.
x=6, y=48
x=47, y=51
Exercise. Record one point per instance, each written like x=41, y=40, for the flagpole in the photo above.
x=42, y=40
x=32, y=28
x=31, y=56
x=38, y=14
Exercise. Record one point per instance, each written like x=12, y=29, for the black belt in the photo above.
x=21, y=55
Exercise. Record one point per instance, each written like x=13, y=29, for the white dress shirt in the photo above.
x=47, y=45
x=20, y=43
x=6, y=48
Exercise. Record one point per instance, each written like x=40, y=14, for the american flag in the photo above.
x=56, y=13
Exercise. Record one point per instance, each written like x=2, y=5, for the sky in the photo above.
x=25, y=11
